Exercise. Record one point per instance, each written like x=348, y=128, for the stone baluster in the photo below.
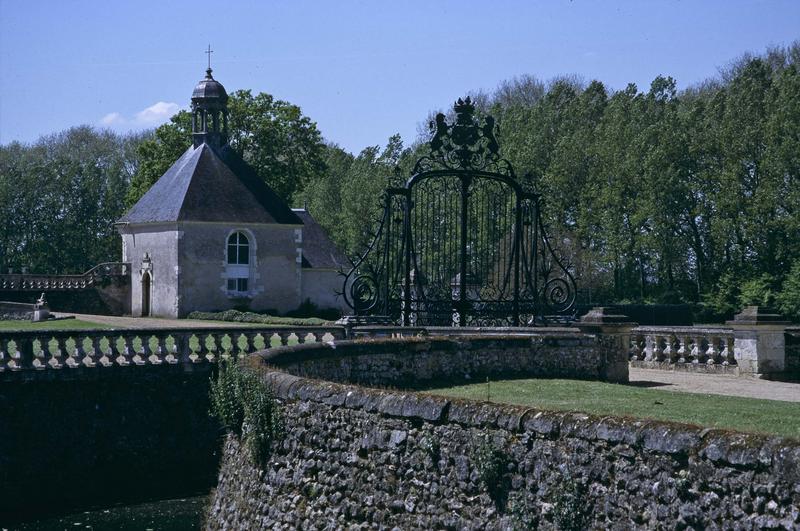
x=212, y=354
x=126, y=354
x=668, y=351
x=40, y=354
x=159, y=353
x=97, y=356
x=140, y=354
x=249, y=343
x=24, y=354
x=712, y=353
x=658, y=350
x=75, y=356
x=649, y=340
x=171, y=356
x=237, y=339
x=225, y=348
x=56, y=360
x=683, y=348
x=268, y=338
x=180, y=347
x=698, y=352
x=301, y=337
x=727, y=352
x=202, y=349
x=284, y=338
x=320, y=336
x=13, y=355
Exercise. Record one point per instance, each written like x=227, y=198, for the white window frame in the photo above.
x=239, y=272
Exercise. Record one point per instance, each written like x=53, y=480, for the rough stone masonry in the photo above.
x=358, y=458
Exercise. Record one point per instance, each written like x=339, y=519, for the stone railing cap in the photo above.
x=758, y=315
x=603, y=316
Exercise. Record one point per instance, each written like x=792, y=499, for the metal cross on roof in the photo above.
x=209, y=52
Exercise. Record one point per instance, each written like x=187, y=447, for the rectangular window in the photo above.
x=237, y=284
x=244, y=251
x=232, y=254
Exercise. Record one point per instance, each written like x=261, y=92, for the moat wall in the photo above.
x=352, y=455
x=91, y=437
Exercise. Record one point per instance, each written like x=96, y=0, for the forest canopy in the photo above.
x=658, y=195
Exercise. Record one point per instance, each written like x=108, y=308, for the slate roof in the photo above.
x=319, y=251
x=206, y=184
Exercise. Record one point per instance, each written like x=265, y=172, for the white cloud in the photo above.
x=112, y=118
x=156, y=114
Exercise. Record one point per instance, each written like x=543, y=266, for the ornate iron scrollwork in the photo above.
x=462, y=243
x=467, y=144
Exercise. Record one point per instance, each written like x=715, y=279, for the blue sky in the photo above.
x=361, y=70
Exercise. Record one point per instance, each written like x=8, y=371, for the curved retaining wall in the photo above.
x=354, y=457
x=411, y=362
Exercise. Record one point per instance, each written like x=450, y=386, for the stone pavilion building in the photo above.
x=211, y=235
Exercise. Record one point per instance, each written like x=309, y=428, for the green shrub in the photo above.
x=235, y=316
x=246, y=407
x=491, y=464
x=758, y=291
x=523, y=511
x=723, y=297
x=225, y=403
x=788, y=300
x=570, y=508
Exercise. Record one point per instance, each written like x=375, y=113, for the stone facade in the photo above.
x=358, y=458
x=188, y=269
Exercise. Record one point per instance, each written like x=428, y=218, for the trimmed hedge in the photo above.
x=236, y=316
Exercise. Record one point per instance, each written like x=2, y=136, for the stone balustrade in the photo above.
x=683, y=345
x=32, y=351
x=38, y=282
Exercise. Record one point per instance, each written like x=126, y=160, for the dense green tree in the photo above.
x=60, y=198
x=656, y=195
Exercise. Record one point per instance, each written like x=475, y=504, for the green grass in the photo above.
x=61, y=324
x=714, y=411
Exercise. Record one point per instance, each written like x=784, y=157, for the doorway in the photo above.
x=146, y=284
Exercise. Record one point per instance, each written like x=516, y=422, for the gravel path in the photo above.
x=152, y=322
x=715, y=384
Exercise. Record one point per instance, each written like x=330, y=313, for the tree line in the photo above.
x=656, y=195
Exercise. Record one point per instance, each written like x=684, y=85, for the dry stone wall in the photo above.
x=419, y=361
x=352, y=457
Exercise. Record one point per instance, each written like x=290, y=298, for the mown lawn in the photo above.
x=714, y=411
x=61, y=324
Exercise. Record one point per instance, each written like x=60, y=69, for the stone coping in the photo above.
x=400, y=345
x=780, y=454
x=463, y=330
x=689, y=330
x=254, y=328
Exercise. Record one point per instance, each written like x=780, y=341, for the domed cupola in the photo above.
x=210, y=112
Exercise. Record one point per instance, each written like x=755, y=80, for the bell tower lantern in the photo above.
x=209, y=111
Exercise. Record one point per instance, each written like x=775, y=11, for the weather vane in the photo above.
x=209, y=52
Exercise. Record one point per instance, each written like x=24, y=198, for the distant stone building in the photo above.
x=211, y=235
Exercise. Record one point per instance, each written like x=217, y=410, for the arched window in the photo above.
x=238, y=270
x=238, y=249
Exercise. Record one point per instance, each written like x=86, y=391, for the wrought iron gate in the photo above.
x=462, y=243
